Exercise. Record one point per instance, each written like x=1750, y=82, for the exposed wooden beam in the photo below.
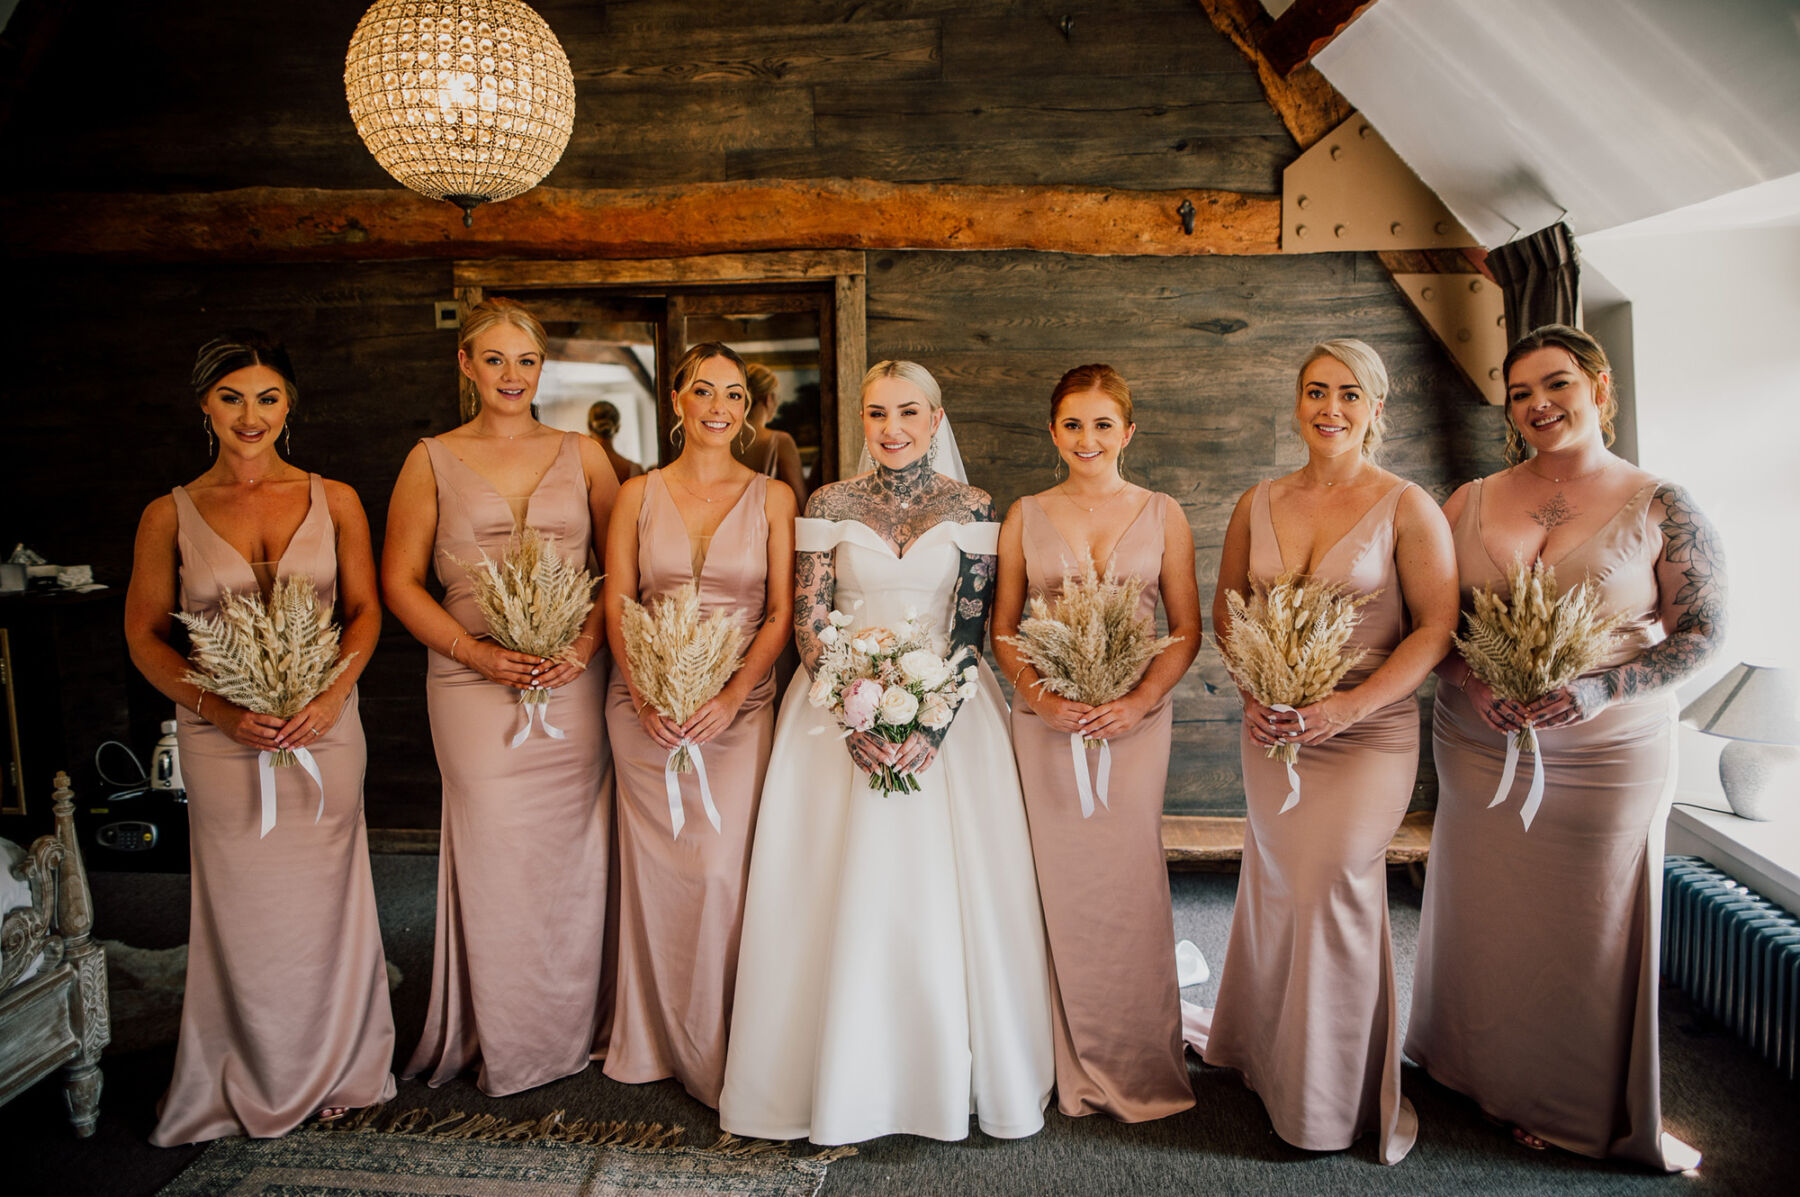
x=261, y=224
x=1305, y=28
x=1306, y=102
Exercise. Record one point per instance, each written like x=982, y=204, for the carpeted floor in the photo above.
x=1718, y=1095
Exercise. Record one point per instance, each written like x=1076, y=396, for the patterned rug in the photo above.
x=489, y=1157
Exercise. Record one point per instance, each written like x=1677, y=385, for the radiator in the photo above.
x=1736, y=955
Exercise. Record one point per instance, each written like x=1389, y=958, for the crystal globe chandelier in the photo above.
x=468, y=101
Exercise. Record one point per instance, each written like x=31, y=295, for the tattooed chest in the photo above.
x=902, y=519
x=1554, y=512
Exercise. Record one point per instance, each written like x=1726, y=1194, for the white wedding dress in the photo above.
x=892, y=977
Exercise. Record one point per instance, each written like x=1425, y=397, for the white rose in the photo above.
x=828, y=635
x=820, y=694
x=898, y=707
x=966, y=690
x=935, y=712
x=971, y=673
x=925, y=669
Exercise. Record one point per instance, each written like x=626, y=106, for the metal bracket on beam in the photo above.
x=1467, y=313
x=1351, y=191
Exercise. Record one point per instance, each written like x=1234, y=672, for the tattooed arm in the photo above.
x=1690, y=575
x=972, y=602
x=815, y=582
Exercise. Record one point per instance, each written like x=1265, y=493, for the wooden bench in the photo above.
x=1212, y=839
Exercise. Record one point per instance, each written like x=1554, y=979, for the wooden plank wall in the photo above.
x=1142, y=95
x=1210, y=346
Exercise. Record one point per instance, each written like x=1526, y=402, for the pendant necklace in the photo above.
x=1067, y=498
x=1573, y=477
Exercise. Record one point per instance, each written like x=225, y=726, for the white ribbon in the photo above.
x=1293, y=798
x=265, y=771
x=540, y=711
x=1534, y=797
x=672, y=783
x=1078, y=752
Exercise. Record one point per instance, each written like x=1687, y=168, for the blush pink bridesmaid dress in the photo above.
x=286, y=1006
x=1115, y=1002
x=681, y=897
x=522, y=863
x=1536, y=984
x=1306, y=1008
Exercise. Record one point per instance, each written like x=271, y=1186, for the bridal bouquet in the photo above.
x=1529, y=644
x=1090, y=646
x=889, y=682
x=271, y=657
x=1288, y=646
x=534, y=602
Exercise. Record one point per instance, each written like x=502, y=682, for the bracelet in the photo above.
x=198, y=703
x=452, y=653
x=1019, y=674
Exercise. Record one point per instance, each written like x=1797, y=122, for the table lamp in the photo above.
x=1757, y=708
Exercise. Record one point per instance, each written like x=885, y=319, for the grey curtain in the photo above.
x=1541, y=278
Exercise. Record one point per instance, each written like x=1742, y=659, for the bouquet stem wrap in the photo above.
x=1523, y=740
x=1289, y=753
x=536, y=704
x=1078, y=751
x=266, y=761
x=686, y=758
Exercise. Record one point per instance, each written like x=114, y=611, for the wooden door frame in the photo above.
x=843, y=337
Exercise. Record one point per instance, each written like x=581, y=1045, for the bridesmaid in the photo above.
x=603, y=425
x=1306, y=997
x=522, y=863
x=768, y=450
x=1536, y=990
x=1116, y=1005
x=702, y=518
x=286, y=1011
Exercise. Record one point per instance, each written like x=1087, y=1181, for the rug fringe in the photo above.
x=491, y=1128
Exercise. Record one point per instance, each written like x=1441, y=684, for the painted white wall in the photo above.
x=1715, y=320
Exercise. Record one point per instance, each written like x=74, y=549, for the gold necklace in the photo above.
x=1123, y=487
x=684, y=486
x=1572, y=478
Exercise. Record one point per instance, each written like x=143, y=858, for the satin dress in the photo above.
x=892, y=977
x=1116, y=1003
x=285, y=1009
x=1306, y=1008
x=1536, y=984
x=522, y=862
x=681, y=896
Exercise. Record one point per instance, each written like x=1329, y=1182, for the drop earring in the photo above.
x=206, y=426
x=287, y=439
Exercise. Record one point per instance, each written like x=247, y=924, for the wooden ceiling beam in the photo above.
x=1305, y=100
x=1305, y=28
x=263, y=224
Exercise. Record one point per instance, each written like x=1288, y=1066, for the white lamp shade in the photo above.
x=1759, y=703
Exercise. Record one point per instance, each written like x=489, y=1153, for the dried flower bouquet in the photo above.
x=1289, y=646
x=534, y=601
x=1530, y=643
x=271, y=657
x=679, y=660
x=1091, y=645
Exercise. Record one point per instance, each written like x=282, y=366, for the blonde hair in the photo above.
x=762, y=382
x=488, y=314
x=911, y=372
x=1095, y=377
x=603, y=419
x=689, y=365
x=1590, y=359
x=1371, y=376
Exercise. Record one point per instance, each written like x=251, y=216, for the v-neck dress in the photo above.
x=1307, y=1008
x=285, y=1009
x=681, y=898
x=1536, y=985
x=522, y=858
x=1116, y=1003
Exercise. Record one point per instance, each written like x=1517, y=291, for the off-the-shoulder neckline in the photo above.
x=878, y=540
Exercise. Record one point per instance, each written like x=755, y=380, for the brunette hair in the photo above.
x=1590, y=359
x=1093, y=377
x=762, y=382
x=603, y=419
x=689, y=365
x=911, y=372
x=235, y=350
x=1371, y=375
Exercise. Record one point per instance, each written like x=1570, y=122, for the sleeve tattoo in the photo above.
x=815, y=592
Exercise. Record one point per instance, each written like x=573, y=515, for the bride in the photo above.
x=892, y=976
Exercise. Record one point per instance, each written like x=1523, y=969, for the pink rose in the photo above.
x=862, y=698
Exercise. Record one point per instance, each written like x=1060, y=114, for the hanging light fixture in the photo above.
x=469, y=101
